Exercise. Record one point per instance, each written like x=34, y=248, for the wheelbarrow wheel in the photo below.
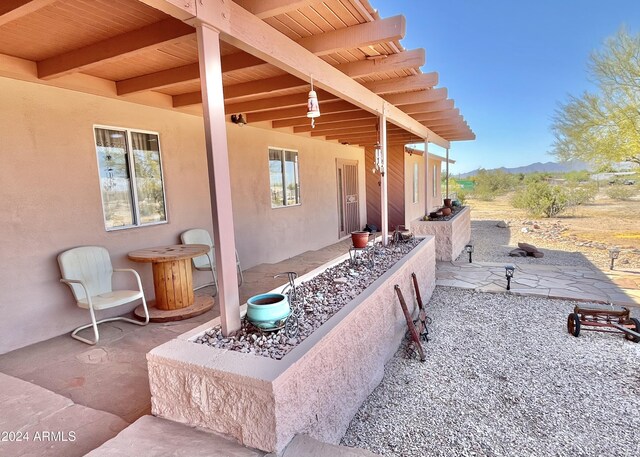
x=636, y=328
x=573, y=324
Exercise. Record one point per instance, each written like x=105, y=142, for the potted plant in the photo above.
x=359, y=239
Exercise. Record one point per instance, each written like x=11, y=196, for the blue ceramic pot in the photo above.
x=265, y=310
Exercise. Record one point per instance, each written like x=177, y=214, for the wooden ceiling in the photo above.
x=140, y=50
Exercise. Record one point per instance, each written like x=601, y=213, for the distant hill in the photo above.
x=547, y=167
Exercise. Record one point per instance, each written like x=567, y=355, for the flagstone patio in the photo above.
x=620, y=287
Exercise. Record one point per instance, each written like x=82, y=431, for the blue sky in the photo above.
x=508, y=63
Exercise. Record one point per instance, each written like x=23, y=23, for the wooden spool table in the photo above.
x=173, y=282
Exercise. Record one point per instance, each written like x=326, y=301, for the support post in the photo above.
x=384, y=204
x=426, y=177
x=446, y=182
x=219, y=176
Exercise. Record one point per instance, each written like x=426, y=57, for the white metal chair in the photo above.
x=207, y=262
x=87, y=271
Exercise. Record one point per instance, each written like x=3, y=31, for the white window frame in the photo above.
x=284, y=150
x=132, y=174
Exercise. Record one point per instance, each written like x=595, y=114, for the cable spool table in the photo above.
x=173, y=282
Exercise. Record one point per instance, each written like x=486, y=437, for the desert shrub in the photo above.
x=579, y=194
x=541, y=199
x=621, y=192
x=490, y=184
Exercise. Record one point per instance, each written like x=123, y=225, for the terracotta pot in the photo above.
x=359, y=239
x=447, y=202
x=446, y=211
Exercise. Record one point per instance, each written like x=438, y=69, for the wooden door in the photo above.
x=348, y=197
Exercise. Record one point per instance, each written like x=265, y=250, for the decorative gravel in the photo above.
x=321, y=297
x=504, y=378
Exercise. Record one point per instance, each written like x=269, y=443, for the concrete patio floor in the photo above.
x=100, y=390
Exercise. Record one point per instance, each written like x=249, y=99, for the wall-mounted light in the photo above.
x=469, y=249
x=509, y=270
x=238, y=119
x=614, y=253
x=313, y=107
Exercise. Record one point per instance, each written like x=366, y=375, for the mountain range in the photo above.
x=546, y=167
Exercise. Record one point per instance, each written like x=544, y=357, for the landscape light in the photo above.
x=614, y=253
x=469, y=249
x=509, y=269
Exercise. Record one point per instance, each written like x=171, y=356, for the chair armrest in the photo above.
x=133, y=272
x=84, y=286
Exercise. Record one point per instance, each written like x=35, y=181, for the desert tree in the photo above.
x=604, y=127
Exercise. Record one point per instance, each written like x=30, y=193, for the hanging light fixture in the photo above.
x=238, y=119
x=313, y=107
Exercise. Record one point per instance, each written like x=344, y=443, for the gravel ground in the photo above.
x=504, y=378
x=492, y=244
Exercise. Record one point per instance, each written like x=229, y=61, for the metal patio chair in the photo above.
x=87, y=271
x=207, y=262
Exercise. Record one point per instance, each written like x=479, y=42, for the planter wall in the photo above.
x=315, y=389
x=451, y=236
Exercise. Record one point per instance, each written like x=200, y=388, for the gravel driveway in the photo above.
x=504, y=378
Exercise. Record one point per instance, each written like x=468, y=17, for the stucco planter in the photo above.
x=451, y=236
x=315, y=389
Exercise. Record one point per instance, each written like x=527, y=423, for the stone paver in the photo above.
x=154, y=437
x=38, y=422
x=576, y=283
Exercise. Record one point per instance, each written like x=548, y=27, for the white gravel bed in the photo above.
x=492, y=244
x=504, y=378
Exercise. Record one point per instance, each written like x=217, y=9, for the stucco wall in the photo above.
x=50, y=198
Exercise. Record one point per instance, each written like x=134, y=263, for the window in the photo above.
x=416, y=183
x=130, y=177
x=435, y=180
x=284, y=178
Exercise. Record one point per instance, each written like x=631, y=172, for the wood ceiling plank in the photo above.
x=116, y=47
x=10, y=10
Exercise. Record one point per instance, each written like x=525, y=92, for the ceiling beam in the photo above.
x=423, y=96
x=351, y=130
x=329, y=126
x=394, y=62
x=429, y=107
x=283, y=101
x=10, y=10
x=324, y=118
x=346, y=136
x=356, y=36
x=404, y=84
x=298, y=111
x=150, y=36
x=159, y=79
x=351, y=37
x=445, y=114
x=245, y=31
x=269, y=8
